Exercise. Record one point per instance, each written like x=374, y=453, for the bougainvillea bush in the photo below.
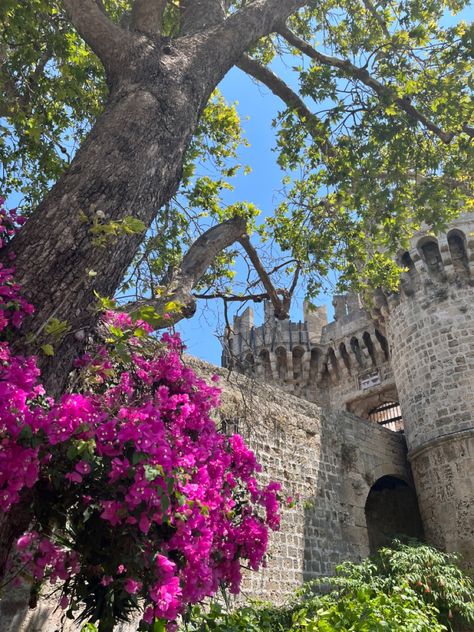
x=138, y=502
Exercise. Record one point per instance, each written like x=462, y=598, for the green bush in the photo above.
x=406, y=588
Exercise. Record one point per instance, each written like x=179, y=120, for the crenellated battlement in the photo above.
x=413, y=354
x=436, y=265
x=344, y=364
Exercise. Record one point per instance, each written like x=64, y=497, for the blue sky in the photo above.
x=260, y=187
x=256, y=106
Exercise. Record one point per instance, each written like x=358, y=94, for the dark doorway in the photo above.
x=391, y=511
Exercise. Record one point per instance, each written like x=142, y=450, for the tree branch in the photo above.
x=315, y=126
x=147, y=16
x=295, y=280
x=363, y=75
x=227, y=42
x=180, y=282
x=280, y=307
x=105, y=38
x=378, y=18
x=198, y=15
x=234, y=298
x=468, y=129
x=13, y=98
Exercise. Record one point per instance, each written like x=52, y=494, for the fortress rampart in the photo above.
x=408, y=364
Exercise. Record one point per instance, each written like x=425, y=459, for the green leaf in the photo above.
x=26, y=433
x=123, y=353
x=56, y=328
x=159, y=625
x=133, y=225
x=152, y=472
x=165, y=503
x=105, y=303
x=47, y=349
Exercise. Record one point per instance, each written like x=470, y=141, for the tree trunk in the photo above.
x=107, y=626
x=130, y=165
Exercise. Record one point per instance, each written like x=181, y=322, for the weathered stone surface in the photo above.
x=329, y=459
x=418, y=350
x=431, y=334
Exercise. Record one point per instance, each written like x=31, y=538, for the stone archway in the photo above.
x=391, y=510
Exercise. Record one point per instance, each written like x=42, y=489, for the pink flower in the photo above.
x=165, y=566
x=157, y=458
x=132, y=586
x=166, y=598
x=64, y=602
x=149, y=615
x=144, y=523
x=83, y=467
x=25, y=541
x=112, y=512
x=74, y=477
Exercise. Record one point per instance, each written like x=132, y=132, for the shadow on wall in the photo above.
x=391, y=511
x=331, y=523
x=357, y=508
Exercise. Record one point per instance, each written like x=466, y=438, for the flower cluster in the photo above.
x=138, y=500
x=13, y=306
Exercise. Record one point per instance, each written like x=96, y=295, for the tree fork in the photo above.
x=129, y=165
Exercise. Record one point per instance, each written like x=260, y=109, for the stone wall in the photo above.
x=344, y=364
x=443, y=470
x=432, y=342
x=431, y=332
x=329, y=459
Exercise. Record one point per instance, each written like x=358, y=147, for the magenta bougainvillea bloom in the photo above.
x=138, y=501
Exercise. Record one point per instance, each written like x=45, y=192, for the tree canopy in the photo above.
x=374, y=135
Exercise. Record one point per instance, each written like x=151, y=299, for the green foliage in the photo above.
x=53, y=90
x=410, y=587
x=105, y=233
x=434, y=577
x=359, y=178
x=356, y=205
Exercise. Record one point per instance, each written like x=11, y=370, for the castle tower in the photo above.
x=430, y=327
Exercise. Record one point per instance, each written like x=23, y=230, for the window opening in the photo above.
x=388, y=415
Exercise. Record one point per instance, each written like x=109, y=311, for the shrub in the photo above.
x=407, y=588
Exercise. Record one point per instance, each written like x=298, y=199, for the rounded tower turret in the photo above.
x=430, y=328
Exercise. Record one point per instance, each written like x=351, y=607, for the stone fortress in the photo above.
x=368, y=421
x=407, y=365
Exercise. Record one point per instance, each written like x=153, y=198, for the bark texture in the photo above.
x=130, y=164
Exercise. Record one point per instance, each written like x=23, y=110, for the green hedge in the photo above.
x=405, y=588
